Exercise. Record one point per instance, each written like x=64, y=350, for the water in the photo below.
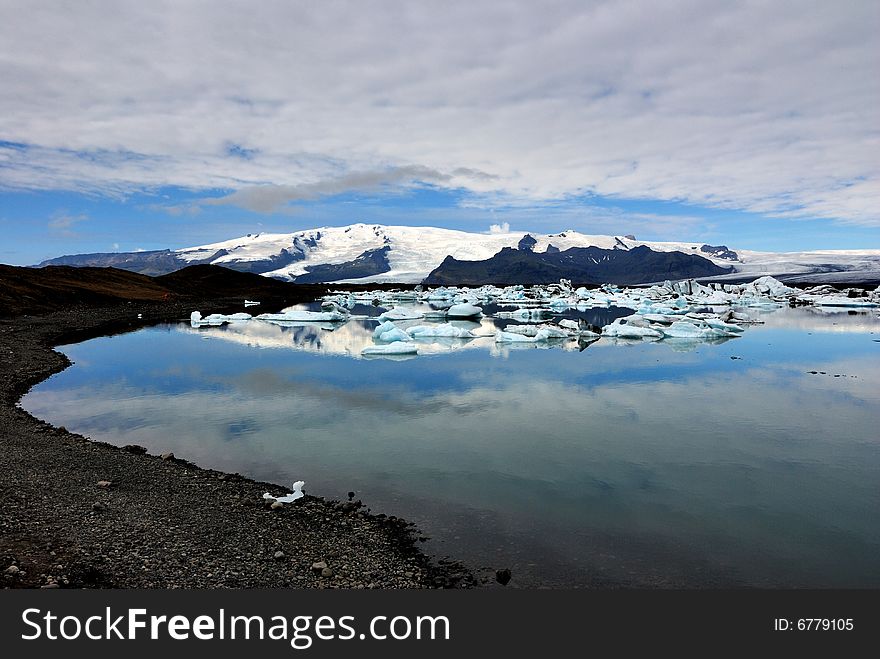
x=634, y=465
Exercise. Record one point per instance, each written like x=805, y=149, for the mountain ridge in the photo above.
x=375, y=253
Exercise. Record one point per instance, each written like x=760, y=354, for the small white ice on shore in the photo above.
x=289, y=498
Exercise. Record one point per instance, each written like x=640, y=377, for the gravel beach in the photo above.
x=76, y=513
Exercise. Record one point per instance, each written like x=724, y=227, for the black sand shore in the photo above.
x=166, y=523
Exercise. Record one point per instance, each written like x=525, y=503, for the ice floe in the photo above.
x=680, y=314
x=396, y=348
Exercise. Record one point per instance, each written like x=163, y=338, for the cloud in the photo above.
x=768, y=107
x=268, y=198
x=63, y=222
x=504, y=227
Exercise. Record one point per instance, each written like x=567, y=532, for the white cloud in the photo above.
x=504, y=227
x=63, y=222
x=763, y=106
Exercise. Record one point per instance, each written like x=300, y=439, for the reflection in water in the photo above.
x=351, y=337
x=746, y=462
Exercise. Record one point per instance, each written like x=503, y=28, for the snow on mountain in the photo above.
x=413, y=252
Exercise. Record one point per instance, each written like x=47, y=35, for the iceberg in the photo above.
x=580, y=327
x=620, y=328
x=306, y=316
x=396, y=348
x=838, y=301
x=389, y=333
x=694, y=330
x=464, y=311
x=399, y=313
x=511, y=337
x=289, y=498
x=446, y=330
x=541, y=334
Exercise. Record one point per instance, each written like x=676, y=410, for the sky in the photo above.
x=152, y=125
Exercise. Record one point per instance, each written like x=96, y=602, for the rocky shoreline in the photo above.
x=76, y=513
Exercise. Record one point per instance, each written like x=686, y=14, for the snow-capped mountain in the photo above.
x=376, y=253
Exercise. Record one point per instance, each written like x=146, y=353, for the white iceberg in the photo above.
x=446, y=330
x=401, y=313
x=510, y=337
x=290, y=498
x=396, y=348
x=620, y=328
x=389, y=333
x=463, y=311
x=306, y=316
x=838, y=301
x=694, y=330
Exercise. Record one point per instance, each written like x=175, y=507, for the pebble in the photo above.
x=105, y=483
x=12, y=570
x=319, y=566
x=167, y=456
x=327, y=572
x=276, y=505
x=503, y=576
x=278, y=555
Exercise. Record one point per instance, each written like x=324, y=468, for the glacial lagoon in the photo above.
x=751, y=461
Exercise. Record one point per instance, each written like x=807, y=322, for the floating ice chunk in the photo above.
x=714, y=298
x=290, y=498
x=511, y=337
x=401, y=313
x=769, y=286
x=838, y=301
x=540, y=334
x=464, y=311
x=307, y=316
x=389, y=332
x=396, y=348
x=526, y=315
x=716, y=323
x=195, y=316
x=620, y=328
x=446, y=330
x=250, y=303
x=694, y=330
x=579, y=327
x=222, y=318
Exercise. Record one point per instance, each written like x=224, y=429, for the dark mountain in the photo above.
x=720, y=251
x=583, y=265
x=156, y=262
x=36, y=290
x=371, y=262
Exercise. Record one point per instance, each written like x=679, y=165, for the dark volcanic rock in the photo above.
x=371, y=262
x=720, y=252
x=526, y=243
x=584, y=265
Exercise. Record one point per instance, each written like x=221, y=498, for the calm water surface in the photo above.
x=646, y=464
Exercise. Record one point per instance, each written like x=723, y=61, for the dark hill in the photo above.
x=582, y=265
x=37, y=290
